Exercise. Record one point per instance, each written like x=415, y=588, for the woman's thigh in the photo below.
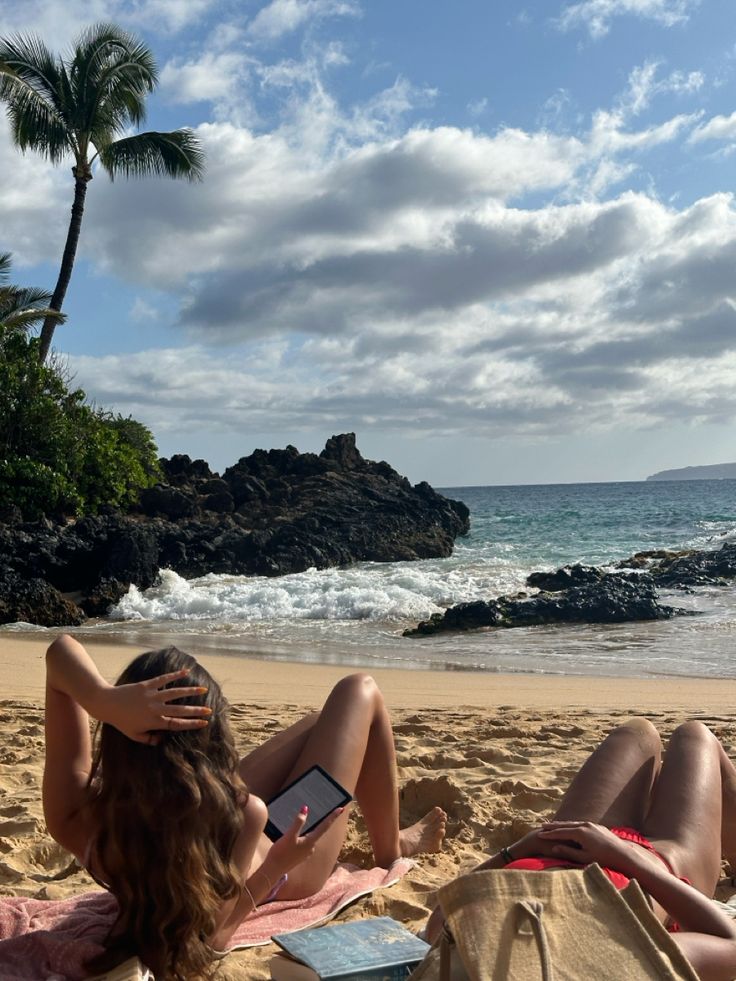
x=613, y=785
x=684, y=820
x=266, y=769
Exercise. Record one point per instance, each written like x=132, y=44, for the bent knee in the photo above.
x=645, y=733
x=359, y=682
x=692, y=731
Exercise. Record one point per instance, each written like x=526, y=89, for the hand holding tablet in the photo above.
x=317, y=790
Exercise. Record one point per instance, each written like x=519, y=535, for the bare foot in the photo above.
x=424, y=836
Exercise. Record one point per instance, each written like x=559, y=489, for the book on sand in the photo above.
x=376, y=949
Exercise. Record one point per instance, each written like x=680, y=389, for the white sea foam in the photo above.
x=371, y=591
x=356, y=616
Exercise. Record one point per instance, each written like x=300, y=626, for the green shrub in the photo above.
x=36, y=489
x=58, y=454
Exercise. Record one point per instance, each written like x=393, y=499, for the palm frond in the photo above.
x=23, y=319
x=112, y=73
x=30, y=86
x=25, y=297
x=175, y=154
x=22, y=306
x=28, y=58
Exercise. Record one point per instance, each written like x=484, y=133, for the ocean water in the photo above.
x=356, y=616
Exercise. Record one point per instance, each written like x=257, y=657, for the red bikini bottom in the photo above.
x=620, y=881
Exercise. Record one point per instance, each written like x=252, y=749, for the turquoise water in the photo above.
x=356, y=616
x=553, y=524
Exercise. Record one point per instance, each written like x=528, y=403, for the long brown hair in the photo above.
x=167, y=817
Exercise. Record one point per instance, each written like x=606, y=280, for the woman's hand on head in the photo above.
x=143, y=710
x=293, y=847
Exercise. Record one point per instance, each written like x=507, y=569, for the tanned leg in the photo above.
x=684, y=821
x=613, y=785
x=352, y=739
x=728, y=816
x=266, y=769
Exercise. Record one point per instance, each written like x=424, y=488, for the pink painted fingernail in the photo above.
x=304, y=810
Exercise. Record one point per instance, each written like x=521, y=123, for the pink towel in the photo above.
x=42, y=939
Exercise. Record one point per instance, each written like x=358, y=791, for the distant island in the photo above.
x=718, y=471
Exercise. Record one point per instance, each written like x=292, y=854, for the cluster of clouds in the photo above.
x=343, y=269
x=597, y=15
x=277, y=18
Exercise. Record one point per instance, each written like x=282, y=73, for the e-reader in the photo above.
x=315, y=788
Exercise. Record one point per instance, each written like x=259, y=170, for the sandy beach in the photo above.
x=495, y=751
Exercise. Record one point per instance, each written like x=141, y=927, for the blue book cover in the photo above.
x=375, y=948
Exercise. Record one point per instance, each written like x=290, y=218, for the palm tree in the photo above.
x=22, y=307
x=82, y=107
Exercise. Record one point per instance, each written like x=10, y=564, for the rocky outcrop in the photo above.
x=587, y=594
x=35, y=601
x=688, y=569
x=273, y=512
x=612, y=598
x=569, y=575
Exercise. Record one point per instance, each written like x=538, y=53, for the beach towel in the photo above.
x=51, y=940
x=514, y=925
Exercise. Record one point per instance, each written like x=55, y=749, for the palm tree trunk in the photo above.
x=67, y=260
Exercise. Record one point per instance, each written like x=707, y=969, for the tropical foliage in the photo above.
x=22, y=306
x=58, y=454
x=82, y=107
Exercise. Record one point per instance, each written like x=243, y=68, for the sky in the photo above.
x=496, y=240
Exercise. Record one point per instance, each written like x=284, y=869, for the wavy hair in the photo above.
x=167, y=819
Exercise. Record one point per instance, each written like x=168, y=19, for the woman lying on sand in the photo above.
x=664, y=824
x=171, y=821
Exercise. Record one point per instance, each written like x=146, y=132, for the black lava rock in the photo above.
x=612, y=598
x=274, y=512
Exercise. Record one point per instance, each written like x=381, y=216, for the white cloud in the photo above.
x=143, y=312
x=478, y=107
x=717, y=128
x=59, y=23
x=608, y=136
x=596, y=15
x=343, y=268
x=285, y=16
x=644, y=85
x=223, y=78
x=34, y=202
x=536, y=322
